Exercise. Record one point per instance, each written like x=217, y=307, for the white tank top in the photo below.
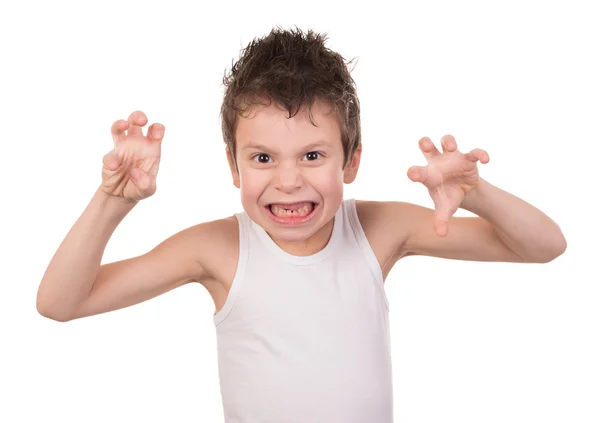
x=306, y=339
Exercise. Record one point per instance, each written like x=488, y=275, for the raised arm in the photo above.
x=75, y=284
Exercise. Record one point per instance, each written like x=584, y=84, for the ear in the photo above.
x=352, y=168
x=232, y=167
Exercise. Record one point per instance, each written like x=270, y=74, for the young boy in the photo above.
x=297, y=278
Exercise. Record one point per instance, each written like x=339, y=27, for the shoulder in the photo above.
x=398, y=229
x=387, y=226
x=395, y=224
x=392, y=216
x=224, y=230
x=212, y=246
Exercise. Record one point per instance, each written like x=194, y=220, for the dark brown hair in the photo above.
x=292, y=69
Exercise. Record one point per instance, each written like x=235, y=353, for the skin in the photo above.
x=281, y=160
x=76, y=285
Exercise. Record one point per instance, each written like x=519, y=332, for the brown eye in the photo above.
x=262, y=158
x=313, y=155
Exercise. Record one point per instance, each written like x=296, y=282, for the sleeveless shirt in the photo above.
x=305, y=339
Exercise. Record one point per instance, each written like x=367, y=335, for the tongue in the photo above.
x=291, y=206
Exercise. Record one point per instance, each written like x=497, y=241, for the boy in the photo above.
x=297, y=277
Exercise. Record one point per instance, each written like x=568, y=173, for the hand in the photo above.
x=129, y=170
x=449, y=177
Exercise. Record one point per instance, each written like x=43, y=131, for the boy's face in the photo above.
x=291, y=174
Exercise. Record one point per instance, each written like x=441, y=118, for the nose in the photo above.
x=288, y=179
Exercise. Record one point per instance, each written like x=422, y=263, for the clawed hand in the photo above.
x=449, y=177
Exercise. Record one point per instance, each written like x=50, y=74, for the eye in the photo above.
x=261, y=158
x=313, y=155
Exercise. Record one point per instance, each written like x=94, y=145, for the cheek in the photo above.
x=328, y=180
x=253, y=182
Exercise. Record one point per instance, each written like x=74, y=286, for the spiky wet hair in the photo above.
x=292, y=69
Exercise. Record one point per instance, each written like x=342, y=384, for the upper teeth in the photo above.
x=282, y=211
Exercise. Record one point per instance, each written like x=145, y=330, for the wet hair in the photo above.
x=292, y=69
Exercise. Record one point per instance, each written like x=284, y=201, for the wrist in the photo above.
x=473, y=198
x=112, y=203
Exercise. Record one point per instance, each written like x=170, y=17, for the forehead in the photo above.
x=271, y=125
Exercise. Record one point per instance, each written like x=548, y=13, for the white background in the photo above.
x=472, y=342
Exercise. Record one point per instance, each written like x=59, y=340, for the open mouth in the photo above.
x=296, y=209
x=293, y=213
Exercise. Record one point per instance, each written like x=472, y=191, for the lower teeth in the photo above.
x=296, y=213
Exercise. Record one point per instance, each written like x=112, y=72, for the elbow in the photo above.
x=53, y=316
x=560, y=246
x=554, y=250
x=48, y=312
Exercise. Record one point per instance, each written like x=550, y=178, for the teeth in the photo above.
x=301, y=212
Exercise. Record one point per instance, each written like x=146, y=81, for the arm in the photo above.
x=72, y=271
x=75, y=285
x=508, y=229
x=524, y=229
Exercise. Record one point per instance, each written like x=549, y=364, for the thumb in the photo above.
x=113, y=160
x=441, y=217
x=417, y=173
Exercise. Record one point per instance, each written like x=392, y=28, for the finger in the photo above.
x=117, y=130
x=417, y=173
x=448, y=144
x=113, y=160
x=441, y=228
x=136, y=120
x=440, y=223
x=442, y=212
x=478, y=155
x=429, y=150
x=156, y=132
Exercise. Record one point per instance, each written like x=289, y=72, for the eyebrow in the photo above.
x=262, y=147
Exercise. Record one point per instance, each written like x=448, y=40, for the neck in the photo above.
x=310, y=246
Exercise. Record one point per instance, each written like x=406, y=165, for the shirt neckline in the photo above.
x=302, y=260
